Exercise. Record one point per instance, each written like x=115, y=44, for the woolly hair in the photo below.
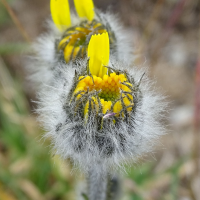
x=116, y=143
x=42, y=65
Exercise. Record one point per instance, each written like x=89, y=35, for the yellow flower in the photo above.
x=75, y=39
x=74, y=42
x=107, y=92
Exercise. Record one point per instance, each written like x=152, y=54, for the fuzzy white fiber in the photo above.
x=41, y=66
x=113, y=145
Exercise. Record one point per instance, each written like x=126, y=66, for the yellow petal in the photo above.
x=67, y=52
x=94, y=105
x=98, y=52
x=107, y=106
x=85, y=8
x=117, y=107
x=60, y=13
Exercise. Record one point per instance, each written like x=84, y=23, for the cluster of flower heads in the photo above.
x=99, y=110
x=69, y=34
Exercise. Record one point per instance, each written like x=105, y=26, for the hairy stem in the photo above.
x=97, y=186
x=102, y=186
x=113, y=188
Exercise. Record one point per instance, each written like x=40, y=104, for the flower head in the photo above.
x=74, y=41
x=68, y=38
x=111, y=93
x=101, y=115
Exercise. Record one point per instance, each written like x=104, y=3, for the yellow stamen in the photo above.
x=98, y=53
x=60, y=13
x=85, y=8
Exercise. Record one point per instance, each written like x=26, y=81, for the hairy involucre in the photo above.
x=111, y=146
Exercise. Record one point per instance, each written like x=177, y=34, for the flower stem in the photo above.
x=113, y=188
x=102, y=186
x=97, y=185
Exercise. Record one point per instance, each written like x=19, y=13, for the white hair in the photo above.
x=115, y=144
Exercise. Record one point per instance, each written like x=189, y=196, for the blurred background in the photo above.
x=166, y=39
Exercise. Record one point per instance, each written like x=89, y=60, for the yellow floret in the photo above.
x=105, y=77
x=109, y=80
x=108, y=94
x=113, y=74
